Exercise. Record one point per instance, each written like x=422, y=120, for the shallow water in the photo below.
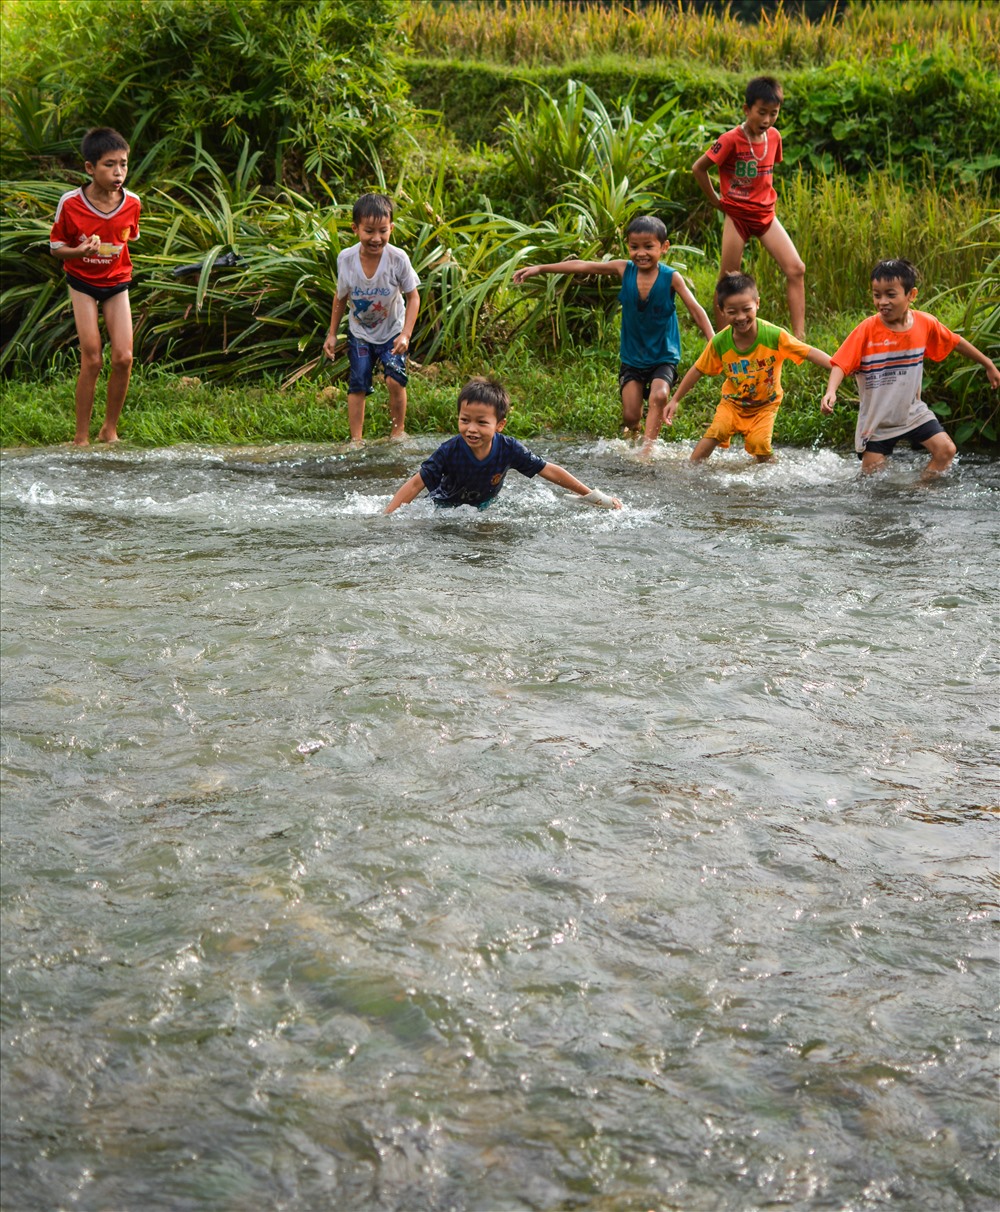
x=544, y=858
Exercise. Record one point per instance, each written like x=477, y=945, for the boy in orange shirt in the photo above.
x=887, y=353
x=745, y=157
x=749, y=352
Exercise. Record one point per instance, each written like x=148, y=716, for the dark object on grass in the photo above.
x=226, y=261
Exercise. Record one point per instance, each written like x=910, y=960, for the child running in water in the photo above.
x=470, y=469
x=90, y=235
x=377, y=287
x=745, y=157
x=749, y=352
x=887, y=353
x=650, y=346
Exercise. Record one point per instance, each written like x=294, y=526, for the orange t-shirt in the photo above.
x=889, y=366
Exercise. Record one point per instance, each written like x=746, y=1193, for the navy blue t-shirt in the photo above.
x=454, y=476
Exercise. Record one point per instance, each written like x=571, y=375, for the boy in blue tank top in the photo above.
x=650, y=339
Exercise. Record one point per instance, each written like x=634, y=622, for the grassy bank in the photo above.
x=576, y=393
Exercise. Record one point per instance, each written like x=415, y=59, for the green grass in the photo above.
x=576, y=392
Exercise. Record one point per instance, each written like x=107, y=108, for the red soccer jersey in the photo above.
x=76, y=219
x=746, y=172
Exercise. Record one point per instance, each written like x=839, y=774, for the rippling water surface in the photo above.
x=537, y=859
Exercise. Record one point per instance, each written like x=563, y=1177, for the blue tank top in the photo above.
x=650, y=333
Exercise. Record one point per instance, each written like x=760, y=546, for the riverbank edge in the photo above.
x=572, y=401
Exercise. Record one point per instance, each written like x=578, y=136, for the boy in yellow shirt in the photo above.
x=749, y=352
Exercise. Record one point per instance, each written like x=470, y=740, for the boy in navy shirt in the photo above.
x=470, y=469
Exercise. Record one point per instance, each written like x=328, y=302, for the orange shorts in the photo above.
x=755, y=424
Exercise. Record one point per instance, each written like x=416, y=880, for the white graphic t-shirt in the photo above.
x=375, y=305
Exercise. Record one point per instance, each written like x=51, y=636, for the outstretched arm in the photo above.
x=697, y=312
x=818, y=358
x=402, y=343
x=968, y=350
x=412, y=489
x=835, y=380
x=689, y=380
x=700, y=169
x=559, y=475
x=570, y=267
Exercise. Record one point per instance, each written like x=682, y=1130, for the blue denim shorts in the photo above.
x=362, y=356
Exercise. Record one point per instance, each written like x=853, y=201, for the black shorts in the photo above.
x=100, y=293
x=916, y=437
x=645, y=375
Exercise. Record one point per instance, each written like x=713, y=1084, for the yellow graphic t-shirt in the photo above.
x=753, y=376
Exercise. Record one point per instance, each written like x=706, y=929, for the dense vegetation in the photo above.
x=508, y=134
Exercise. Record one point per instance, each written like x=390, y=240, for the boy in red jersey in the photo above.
x=745, y=157
x=886, y=352
x=90, y=235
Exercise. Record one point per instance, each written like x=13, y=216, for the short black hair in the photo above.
x=899, y=268
x=766, y=89
x=98, y=141
x=647, y=225
x=486, y=391
x=372, y=206
x=734, y=284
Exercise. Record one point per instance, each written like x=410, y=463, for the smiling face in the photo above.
x=477, y=423
x=760, y=116
x=740, y=311
x=110, y=171
x=893, y=301
x=645, y=251
x=373, y=234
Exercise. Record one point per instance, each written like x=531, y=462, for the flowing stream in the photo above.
x=544, y=858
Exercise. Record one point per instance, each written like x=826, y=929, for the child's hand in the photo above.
x=88, y=244
x=330, y=345
x=669, y=410
x=528, y=271
x=831, y=398
x=401, y=345
x=601, y=500
x=993, y=375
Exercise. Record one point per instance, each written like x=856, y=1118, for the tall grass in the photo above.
x=842, y=227
x=535, y=32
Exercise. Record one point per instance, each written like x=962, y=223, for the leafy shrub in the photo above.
x=307, y=82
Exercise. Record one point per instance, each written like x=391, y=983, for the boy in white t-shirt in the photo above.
x=377, y=286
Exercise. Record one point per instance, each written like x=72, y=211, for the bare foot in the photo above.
x=81, y=441
x=108, y=437
x=398, y=436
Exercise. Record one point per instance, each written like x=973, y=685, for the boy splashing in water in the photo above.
x=886, y=352
x=650, y=345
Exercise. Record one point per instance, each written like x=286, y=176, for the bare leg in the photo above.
x=356, y=415
x=872, y=463
x=730, y=261
x=702, y=451
x=632, y=408
x=779, y=244
x=397, y=409
x=942, y=451
x=118, y=319
x=659, y=394
x=85, y=315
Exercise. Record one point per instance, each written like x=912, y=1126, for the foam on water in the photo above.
x=539, y=857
